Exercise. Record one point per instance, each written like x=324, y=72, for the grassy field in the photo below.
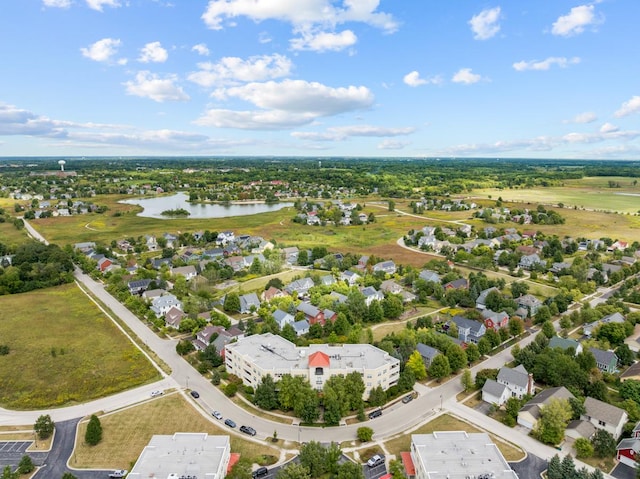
x=63, y=350
x=446, y=422
x=10, y=235
x=591, y=193
x=127, y=432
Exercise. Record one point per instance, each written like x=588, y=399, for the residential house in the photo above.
x=171, y=239
x=390, y=286
x=151, y=294
x=301, y=286
x=632, y=372
x=213, y=253
x=616, y=317
x=236, y=263
x=337, y=297
x=327, y=280
x=558, y=268
x=618, y=246
x=311, y=313
x=85, y=247
x=607, y=361
x=482, y=297
x=349, y=277
x=139, y=286
x=371, y=294
x=162, y=304
x=189, y=272
x=469, y=331
x=249, y=303
x=628, y=449
x=104, y=264
x=604, y=416
x=388, y=267
x=530, y=413
x=206, y=334
x=272, y=293
x=301, y=327
x=427, y=353
x=282, y=318
x=565, y=344
x=495, y=321
x=362, y=262
x=530, y=303
x=225, y=237
x=151, y=242
x=578, y=428
x=429, y=275
x=516, y=382
x=157, y=263
x=461, y=283
x=494, y=393
x=174, y=317
x=330, y=315
x=530, y=261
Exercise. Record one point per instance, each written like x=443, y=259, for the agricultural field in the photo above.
x=127, y=432
x=79, y=353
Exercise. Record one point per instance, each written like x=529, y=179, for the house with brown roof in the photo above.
x=530, y=413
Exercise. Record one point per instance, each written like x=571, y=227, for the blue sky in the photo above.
x=405, y=78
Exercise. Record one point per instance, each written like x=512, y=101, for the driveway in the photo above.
x=531, y=467
x=622, y=471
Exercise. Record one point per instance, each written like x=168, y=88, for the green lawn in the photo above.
x=63, y=350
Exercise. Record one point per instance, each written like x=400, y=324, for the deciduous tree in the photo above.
x=44, y=426
x=554, y=418
x=416, y=364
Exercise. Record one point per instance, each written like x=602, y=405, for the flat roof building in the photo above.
x=185, y=454
x=254, y=357
x=456, y=455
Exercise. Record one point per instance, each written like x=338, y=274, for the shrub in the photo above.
x=93, y=435
x=231, y=389
x=365, y=434
x=26, y=465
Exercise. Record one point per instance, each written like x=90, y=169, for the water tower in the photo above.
x=62, y=163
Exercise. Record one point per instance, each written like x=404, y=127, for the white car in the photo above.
x=375, y=461
x=118, y=473
x=217, y=415
x=156, y=393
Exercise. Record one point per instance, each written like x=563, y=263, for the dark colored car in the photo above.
x=407, y=398
x=229, y=423
x=195, y=394
x=375, y=414
x=248, y=430
x=260, y=472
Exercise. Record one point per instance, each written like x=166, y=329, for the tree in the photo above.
x=473, y=353
x=26, y=465
x=439, y=367
x=519, y=289
x=516, y=326
x=349, y=470
x=44, y=426
x=93, y=434
x=416, y=364
x=7, y=473
x=554, y=418
x=457, y=357
x=583, y=447
x=630, y=389
x=232, y=303
x=266, y=396
x=512, y=407
x=554, y=469
x=604, y=445
x=392, y=306
x=548, y=330
x=184, y=347
x=293, y=471
x=466, y=380
x=241, y=470
x=68, y=475
x=313, y=458
x=625, y=355
x=378, y=396
x=483, y=375
x=484, y=346
x=365, y=434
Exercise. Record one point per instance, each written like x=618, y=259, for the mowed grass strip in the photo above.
x=63, y=350
x=127, y=432
x=446, y=422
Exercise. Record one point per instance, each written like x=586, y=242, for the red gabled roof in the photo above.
x=407, y=462
x=319, y=360
x=234, y=457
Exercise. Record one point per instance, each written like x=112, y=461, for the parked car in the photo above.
x=195, y=394
x=375, y=414
x=118, y=473
x=217, y=415
x=156, y=393
x=260, y=472
x=407, y=398
x=229, y=423
x=248, y=430
x=375, y=461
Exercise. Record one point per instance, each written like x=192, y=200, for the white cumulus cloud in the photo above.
x=485, y=24
x=57, y=3
x=629, y=107
x=586, y=117
x=608, y=128
x=341, y=133
x=392, y=145
x=153, y=53
x=230, y=70
x=201, y=49
x=102, y=50
x=299, y=13
x=562, y=62
x=150, y=85
x=98, y=4
x=575, y=21
x=414, y=79
x=466, y=76
x=324, y=41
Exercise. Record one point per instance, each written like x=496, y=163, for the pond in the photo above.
x=153, y=207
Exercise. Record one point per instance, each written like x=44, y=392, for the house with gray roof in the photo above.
x=390, y=286
x=371, y=294
x=311, y=313
x=388, y=267
x=249, y=301
x=469, y=330
x=607, y=361
x=516, y=382
x=338, y=298
x=349, y=277
x=604, y=416
x=565, y=343
x=301, y=286
x=162, y=304
x=427, y=353
x=327, y=280
x=530, y=303
x=530, y=413
x=139, y=286
x=301, y=327
x=588, y=328
x=578, y=428
x=530, y=261
x=494, y=393
x=291, y=254
x=482, y=297
x=429, y=275
x=282, y=318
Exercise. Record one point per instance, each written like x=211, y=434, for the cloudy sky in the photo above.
x=406, y=78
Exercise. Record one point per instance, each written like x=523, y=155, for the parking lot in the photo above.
x=374, y=472
x=18, y=447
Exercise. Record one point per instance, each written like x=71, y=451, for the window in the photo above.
x=319, y=372
x=602, y=423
